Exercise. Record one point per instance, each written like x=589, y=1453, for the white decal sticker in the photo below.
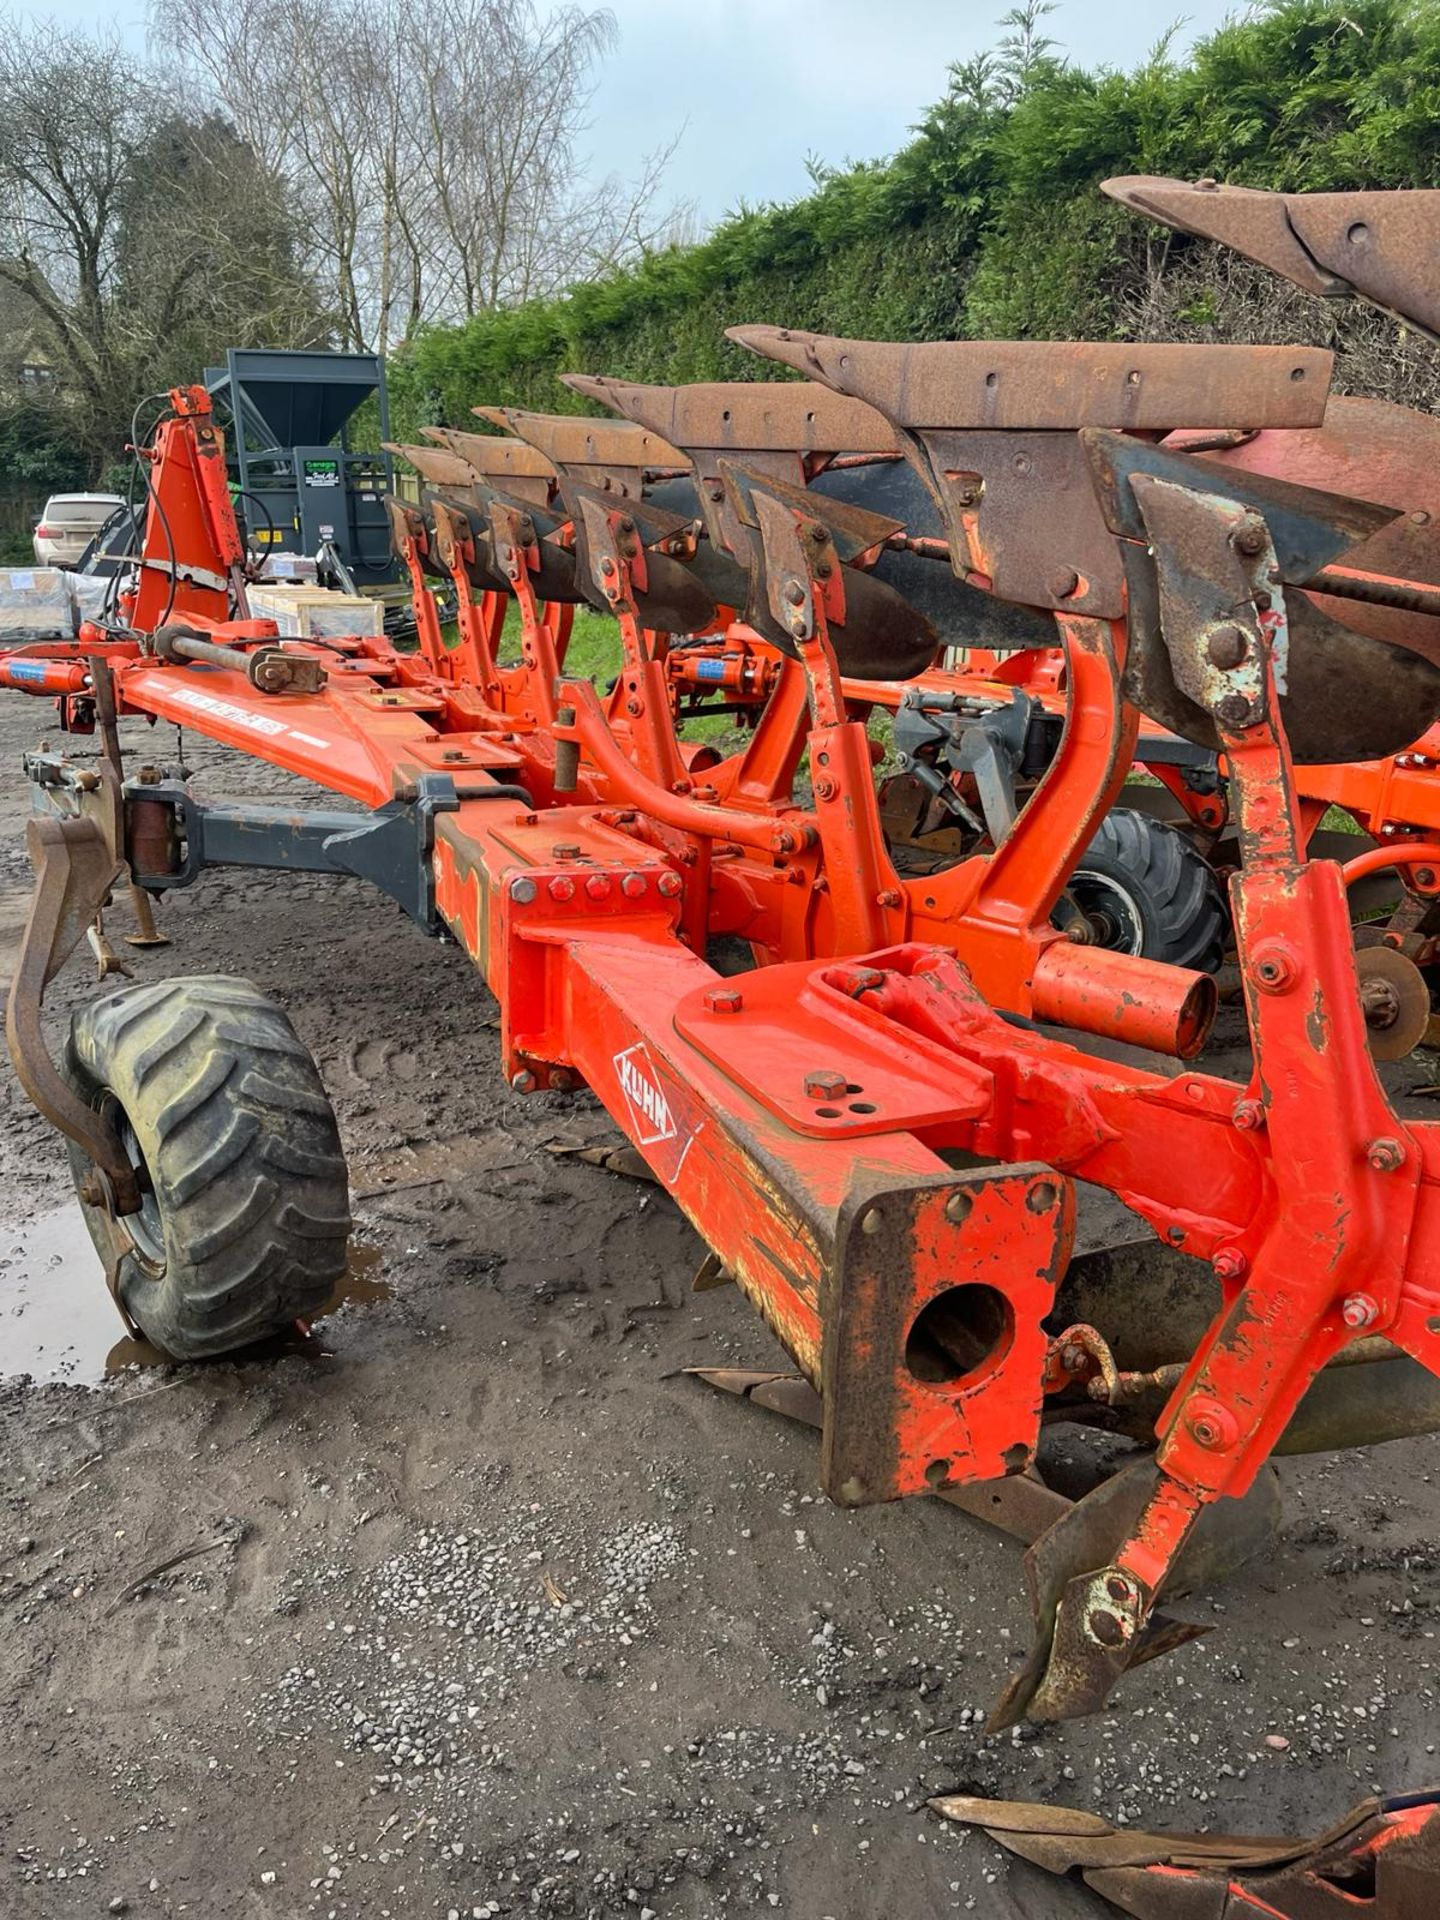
x=239, y=716
x=640, y=1085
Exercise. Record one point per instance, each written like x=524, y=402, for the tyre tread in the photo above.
x=244, y=1153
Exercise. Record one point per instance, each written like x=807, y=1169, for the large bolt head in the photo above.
x=1227, y=647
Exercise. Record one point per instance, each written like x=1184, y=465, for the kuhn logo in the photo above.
x=638, y=1082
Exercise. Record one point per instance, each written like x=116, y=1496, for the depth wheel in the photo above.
x=246, y=1209
x=1142, y=887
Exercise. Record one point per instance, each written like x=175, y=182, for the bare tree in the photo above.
x=135, y=240
x=434, y=147
x=69, y=123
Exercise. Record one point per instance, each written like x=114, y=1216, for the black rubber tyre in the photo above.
x=246, y=1210
x=1148, y=890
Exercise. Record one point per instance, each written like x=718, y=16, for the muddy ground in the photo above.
x=490, y=1610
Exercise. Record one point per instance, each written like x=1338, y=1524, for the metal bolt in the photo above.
x=633, y=885
x=1273, y=967
x=1106, y=1627
x=957, y=1208
x=1229, y=1263
x=92, y=1190
x=669, y=883
x=522, y=1082
x=1385, y=1155
x=1064, y=584
x=561, y=1080
x=1233, y=711
x=825, y=788
x=888, y=897
x=566, y=851
x=607, y=566
x=1359, y=1311
x=1212, y=1426
x=597, y=886
x=522, y=890
x=871, y=1220
x=724, y=1000
x=1250, y=538
x=148, y=776
x=822, y=1084
x=1227, y=647
x=1248, y=1116
x=561, y=889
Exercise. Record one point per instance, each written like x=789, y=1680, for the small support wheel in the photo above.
x=1142, y=887
x=246, y=1212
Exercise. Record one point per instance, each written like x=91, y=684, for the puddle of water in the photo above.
x=58, y=1322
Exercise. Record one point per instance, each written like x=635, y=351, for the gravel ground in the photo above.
x=488, y=1610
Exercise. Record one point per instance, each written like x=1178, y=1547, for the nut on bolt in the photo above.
x=1359, y=1311
x=522, y=889
x=1386, y=1155
x=1274, y=967
x=1248, y=1116
x=1212, y=1425
x=724, y=1000
x=822, y=1084
x=523, y=1081
x=669, y=883
x=1229, y=1263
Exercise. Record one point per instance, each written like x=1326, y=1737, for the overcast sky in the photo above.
x=753, y=86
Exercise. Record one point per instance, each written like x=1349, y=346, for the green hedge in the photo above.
x=989, y=223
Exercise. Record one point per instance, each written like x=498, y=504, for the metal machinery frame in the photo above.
x=290, y=414
x=872, y=1132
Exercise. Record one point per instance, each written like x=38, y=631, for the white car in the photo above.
x=68, y=525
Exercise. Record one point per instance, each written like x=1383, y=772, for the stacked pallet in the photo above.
x=303, y=613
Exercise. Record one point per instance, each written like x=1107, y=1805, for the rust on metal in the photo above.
x=495, y=456
x=1059, y=385
x=75, y=869
x=1381, y=246
x=502, y=459
x=435, y=465
x=745, y=416
x=1395, y=999
x=573, y=440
